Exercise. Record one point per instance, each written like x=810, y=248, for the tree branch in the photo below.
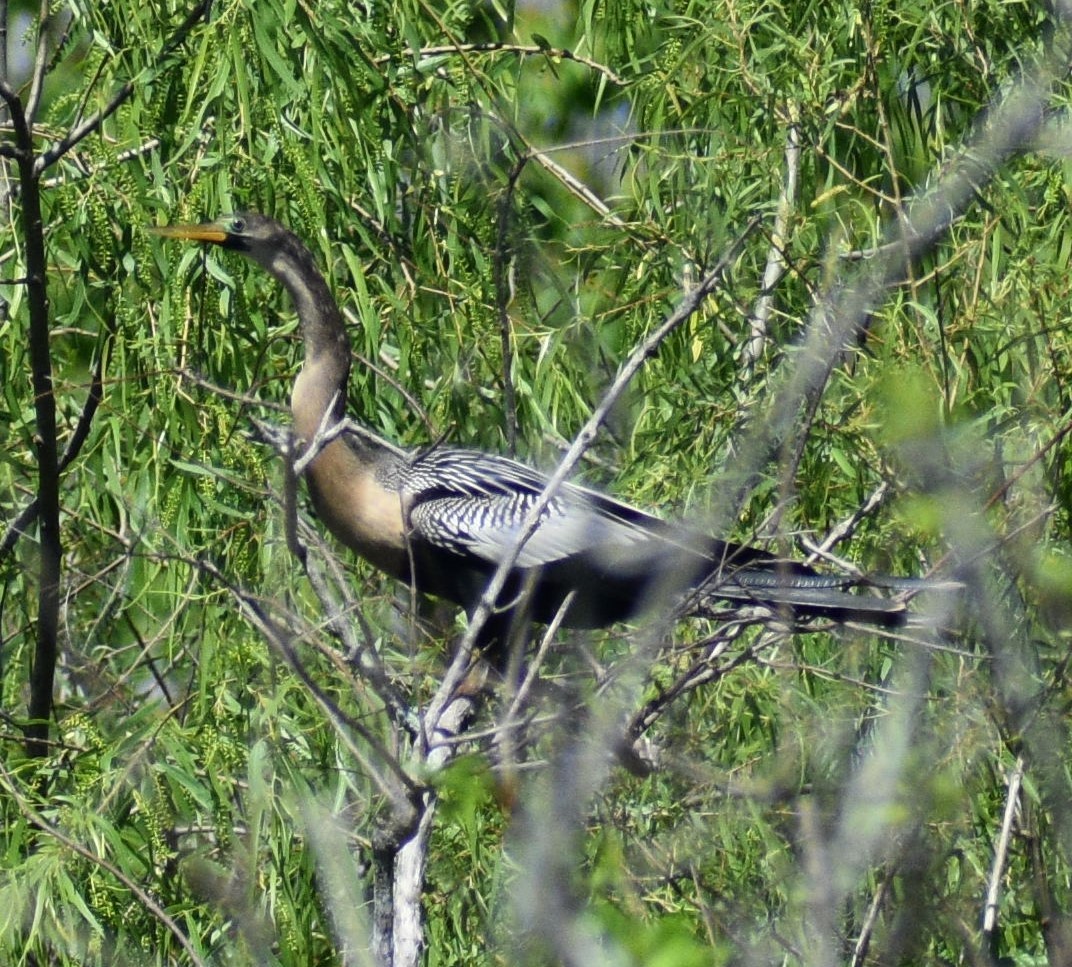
x=842, y=316
x=91, y=124
x=386, y=771
x=37, y=77
x=145, y=898
x=43, y=669
x=28, y=515
x=523, y=50
x=776, y=261
x=1001, y=852
x=689, y=305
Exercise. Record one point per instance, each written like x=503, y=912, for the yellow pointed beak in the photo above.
x=208, y=232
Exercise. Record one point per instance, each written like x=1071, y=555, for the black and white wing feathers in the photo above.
x=472, y=507
x=478, y=503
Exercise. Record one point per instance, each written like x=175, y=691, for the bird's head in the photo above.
x=255, y=236
x=280, y=252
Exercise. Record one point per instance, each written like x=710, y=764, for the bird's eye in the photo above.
x=238, y=225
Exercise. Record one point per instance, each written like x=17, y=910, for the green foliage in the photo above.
x=428, y=182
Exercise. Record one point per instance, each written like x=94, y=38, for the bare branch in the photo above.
x=776, y=261
x=863, y=941
x=91, y=124
x=689, y=305
x=142, y=895
x=504, y=293
x=37, y=77
x=524, y=50
x=1001, y=850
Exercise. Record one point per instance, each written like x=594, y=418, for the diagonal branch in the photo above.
x=385, y=770
x=1001, y=851
x=650, y=345
x=28, y=515
x=143, y=896
x=91, y=124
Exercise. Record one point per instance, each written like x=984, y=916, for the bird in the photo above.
x=441, y=518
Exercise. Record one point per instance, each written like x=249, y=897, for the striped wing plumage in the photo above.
x=479, y=503
x=474, y=504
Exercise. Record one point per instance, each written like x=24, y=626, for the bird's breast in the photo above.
x=358, y=509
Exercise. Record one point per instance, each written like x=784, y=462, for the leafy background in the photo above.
x=506, y=199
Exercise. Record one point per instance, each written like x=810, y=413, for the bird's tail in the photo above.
x=878, y=601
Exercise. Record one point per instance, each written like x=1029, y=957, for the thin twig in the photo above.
x=91, y=124
x=700, y=673
x=143, y=896
x=37, y=78
x=776, y=260
x=867, y=930
x=385, y=771
x=509, y=724
x=414, y=404
x=844, y=530
x=504, y=292
x=1001, y=850
x=88, y=170
x=363, y=657
x=524, y=50
x=587, y=434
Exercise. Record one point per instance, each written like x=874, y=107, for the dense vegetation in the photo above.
x=209, y=749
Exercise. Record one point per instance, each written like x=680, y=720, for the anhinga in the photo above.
x=442, y=518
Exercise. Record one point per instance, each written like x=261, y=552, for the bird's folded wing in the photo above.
x=491, y=526
x=480, y=503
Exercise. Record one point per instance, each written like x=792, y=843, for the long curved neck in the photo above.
x=321, y=384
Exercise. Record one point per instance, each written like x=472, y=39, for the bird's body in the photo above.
x=442, y=518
